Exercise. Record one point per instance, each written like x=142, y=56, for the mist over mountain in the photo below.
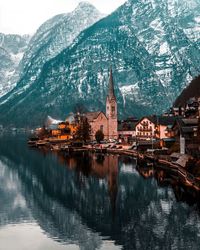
x=152, y=45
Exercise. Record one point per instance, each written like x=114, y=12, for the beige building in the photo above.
x=107, y=123
x=97, y=121
x=157, y=127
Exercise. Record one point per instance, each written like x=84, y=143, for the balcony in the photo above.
x=145, y=129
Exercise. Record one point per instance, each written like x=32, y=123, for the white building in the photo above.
x=157, y=127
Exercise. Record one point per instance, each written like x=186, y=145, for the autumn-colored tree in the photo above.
x=83, y=131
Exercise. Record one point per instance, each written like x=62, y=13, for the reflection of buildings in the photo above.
x=183, y=191
x=146, y=172
x=70, y=214
x=95, y=165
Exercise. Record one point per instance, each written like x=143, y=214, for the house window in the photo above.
x=113, y=109
x=101, y=128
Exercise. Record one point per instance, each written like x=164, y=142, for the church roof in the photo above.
x=91, y=116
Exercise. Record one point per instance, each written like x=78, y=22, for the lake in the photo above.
x=90, y=201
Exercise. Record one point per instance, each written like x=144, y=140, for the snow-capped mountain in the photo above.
x=55, y=35
x=12, y=48
x=152, y=45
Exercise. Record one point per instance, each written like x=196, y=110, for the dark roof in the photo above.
x=183, y=122
x=190, y=121
x=166, y=120
x=189, y=129
x=186, y=125
x=161, y=120
x=126, y=125
x=130, y=119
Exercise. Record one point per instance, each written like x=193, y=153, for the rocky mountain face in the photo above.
x=152, y=45
x=12, y=48
x=53, y=36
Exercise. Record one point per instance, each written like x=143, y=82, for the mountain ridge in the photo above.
x=154, y=53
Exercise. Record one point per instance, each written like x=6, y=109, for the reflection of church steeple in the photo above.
x=112, y=183
x=100, y=166
x=113, y=190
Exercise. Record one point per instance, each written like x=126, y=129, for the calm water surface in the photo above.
x=51, y=201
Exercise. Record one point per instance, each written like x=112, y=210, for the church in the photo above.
x=107, y=123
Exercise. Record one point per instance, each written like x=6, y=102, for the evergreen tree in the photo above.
x=99, y=136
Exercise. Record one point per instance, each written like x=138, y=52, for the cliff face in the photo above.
x=12, y=48
x=152, y=45
x=53, y=36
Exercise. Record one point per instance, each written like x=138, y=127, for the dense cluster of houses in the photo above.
x=179, y=125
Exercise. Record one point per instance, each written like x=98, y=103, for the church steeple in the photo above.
x=111, y=109
x=111, y=92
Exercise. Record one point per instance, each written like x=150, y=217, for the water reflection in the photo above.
x=86, y=199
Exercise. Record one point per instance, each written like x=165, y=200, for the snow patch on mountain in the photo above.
x=151, y=45
x=12, y=48
x=55, y=35
x=132, y=89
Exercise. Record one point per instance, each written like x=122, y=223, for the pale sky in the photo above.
x=25, y=16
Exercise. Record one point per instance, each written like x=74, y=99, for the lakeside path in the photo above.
x=184, y=176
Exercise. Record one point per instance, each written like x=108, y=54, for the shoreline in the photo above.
x=184, y=176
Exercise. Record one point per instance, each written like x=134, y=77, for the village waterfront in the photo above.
x=92, y=181
x=91, y=200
